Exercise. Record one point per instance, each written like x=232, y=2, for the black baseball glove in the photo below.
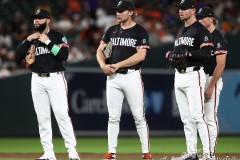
x=177, y=59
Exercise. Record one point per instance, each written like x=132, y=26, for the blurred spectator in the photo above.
x=5, y=37
x=64, y=24
x=103, y=20
x=75, y=55
x=4, y=72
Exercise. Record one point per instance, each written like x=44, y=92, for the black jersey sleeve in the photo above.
x=22, y=49
x=142, y=40
x=107, y=35
x=220, y=43
x=206, y=45
x=63, y=44
x=205, y=38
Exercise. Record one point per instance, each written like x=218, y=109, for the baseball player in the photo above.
x=213, y=68
x=195, y=42
x=48, y=85
x=129, y=49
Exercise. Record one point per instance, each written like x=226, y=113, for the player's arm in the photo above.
x=133, y=60
x=206, y=46
x=203, y=53
x=142, y=46
x=59, y=50
x=220, y=51
x=221, y=61
x=106, y=68
x=22, y=49
x=99, y=55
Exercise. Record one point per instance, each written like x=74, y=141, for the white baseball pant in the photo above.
x=189, y=91
x=211, y=107
x=51, y=92
x=131, y=86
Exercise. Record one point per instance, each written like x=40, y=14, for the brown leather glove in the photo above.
x=30, y=58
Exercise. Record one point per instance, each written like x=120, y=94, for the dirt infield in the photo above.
x=124, y=156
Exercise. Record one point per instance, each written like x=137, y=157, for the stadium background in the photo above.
x=84, y=22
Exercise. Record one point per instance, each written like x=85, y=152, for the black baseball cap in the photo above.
x=186, y=4
x=205, y=12
x=41, y=13
x=123, y=6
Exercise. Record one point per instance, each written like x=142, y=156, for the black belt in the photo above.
x=46, y=74
x=183, y=70
x=43, y=74
x=125, y=70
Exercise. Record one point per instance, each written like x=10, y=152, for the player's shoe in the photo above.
x=213, y=157
x=147, y=156
x=186, y=156
x=73, y=156
x=47, y=157
x=206, y=156
x=110, y=156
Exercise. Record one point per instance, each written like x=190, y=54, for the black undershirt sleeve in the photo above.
x=203, y=53
x=63, y=52
x=22, y=49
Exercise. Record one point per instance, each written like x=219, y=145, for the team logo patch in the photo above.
x=64, y=39
x=218, y=45
x=200, y=10
x=182, y=1
x=38, y=11
x=119, y=3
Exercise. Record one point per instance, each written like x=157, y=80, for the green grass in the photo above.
x=226, y=144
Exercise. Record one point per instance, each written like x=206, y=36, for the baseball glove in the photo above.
x=107, y=51
x=178, y=59
x=30, y=58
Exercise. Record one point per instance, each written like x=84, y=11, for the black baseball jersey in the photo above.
x=126, y=42
x=193, y=38
x=45, y=61
x=220, y=47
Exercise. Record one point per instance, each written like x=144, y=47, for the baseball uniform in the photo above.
x=127, y=82
x=189, y=84
x=211, y=105
x=49, y=87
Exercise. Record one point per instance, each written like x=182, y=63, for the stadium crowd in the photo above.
x=84, y=22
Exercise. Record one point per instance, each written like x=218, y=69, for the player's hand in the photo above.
x=43, y=38
x=33, y=36
x=208, y=92
x=115, y=67
x=108, y=70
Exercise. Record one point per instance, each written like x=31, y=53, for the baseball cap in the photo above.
x=123, y=6
x=186, y=4
x=205, y=12
x=41, y=13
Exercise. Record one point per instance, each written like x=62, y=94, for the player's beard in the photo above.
x=121, y=20
x=40, y=27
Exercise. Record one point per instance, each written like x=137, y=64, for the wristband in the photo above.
x=47, y=42
x=55, y=49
